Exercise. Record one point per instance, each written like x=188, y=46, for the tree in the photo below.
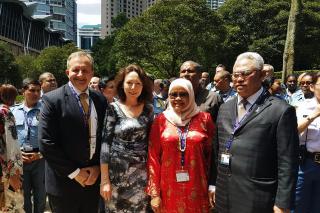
x=9, y=69
x=261, y=26
x=102, y=50
x=54, y=59
x=169, y=33
x=258, y=26
x=289, y=50
x=308, y=37
x=26, y=65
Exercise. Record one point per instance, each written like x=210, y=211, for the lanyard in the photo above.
x=183, y=142
x=28, y=121
x=237, y=124
x=85, y=116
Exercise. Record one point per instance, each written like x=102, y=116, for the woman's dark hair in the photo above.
x=146, y=93
x=104, y=81
x=8, y=94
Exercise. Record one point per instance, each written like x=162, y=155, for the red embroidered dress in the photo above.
x=164, y=160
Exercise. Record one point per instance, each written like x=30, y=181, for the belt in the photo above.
x=315, y=156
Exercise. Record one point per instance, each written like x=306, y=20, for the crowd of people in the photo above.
x=235, y=142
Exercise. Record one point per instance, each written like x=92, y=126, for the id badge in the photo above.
x=225, y=159
x=182, y=176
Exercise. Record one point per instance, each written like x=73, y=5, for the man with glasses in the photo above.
x=258, y=146
x=208, y=101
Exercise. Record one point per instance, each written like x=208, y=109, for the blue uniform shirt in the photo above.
x=27, y=118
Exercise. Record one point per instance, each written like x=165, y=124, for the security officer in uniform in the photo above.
x=27, y=118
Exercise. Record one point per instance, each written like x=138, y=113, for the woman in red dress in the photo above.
x=179, y=154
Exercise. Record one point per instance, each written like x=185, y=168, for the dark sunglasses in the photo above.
x=305, y=83
x=178, y=94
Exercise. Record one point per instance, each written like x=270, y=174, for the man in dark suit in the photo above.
x=258, y=146
x=70, y=137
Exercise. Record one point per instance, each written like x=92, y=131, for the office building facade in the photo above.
x=64, y=16
x=88, y=35
x=215, y=4
x=25, y=32
x=111, y=8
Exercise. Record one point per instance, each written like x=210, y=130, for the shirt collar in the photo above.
x=78, y=92
x=251, y=99
x=24, y=107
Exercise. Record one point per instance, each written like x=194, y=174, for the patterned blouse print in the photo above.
x=10, y=159
x=164, y=161
x=124, y=149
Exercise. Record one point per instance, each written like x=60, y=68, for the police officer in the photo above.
x=27, y=118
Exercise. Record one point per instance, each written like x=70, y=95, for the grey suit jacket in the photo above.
x=264, y=157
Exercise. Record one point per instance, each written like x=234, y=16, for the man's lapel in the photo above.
x=259, y=107
x=72, y=104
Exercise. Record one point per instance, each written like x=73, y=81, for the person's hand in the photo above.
x=156, y=204
x=27, y=157
x=276, y=209
x=212, y=199
x=15, y=182
x=94, y=172
x=106, y=191
x=82, y=177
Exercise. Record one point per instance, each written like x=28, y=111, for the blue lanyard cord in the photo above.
x=28, y=121
x=237, y=124
x=86, y=116
x=183, y=142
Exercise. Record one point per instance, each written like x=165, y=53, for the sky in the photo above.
x=89, y=12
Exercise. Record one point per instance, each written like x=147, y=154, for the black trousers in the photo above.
x=86, y=202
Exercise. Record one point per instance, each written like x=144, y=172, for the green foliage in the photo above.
x=54, y=59
x=308, y=42
x=261, y=26
x=103, y=55
x=102, y=50
x=169, y=33
x=26, y=65
x=9, y=70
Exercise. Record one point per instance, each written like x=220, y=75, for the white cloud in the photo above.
x=89, y=12
x=88, y=2
x=88, y=19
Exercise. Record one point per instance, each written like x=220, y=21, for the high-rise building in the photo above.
x=111, y=8
x=214, y=4
x=25, y=32
x=88, y=35
x=64, y=15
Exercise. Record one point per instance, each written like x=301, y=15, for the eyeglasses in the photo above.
x=178, y=94
x=305, y=83
x=243, y=74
